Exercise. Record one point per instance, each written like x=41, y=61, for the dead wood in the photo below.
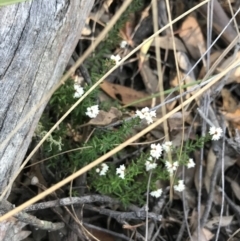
x=37, y=39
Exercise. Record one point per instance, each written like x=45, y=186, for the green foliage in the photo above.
x=102, y=140
x=105, y=140
x=95, y=64
x=132, y=189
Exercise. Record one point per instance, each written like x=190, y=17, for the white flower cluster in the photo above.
x=171, y=167
x=146, y=114
x=167, y=146
x=156, y=193
x=180, y=186
x=190, y=163
x=116, y=58
x=150, y=164
x=121, y=171
x=92, y=111
x=215, y=132
x=78, y=91
x=103, y=170
x=156, y=150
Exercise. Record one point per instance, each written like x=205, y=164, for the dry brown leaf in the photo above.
x=105, y=118
x=177, y=138
x=170, y=106
x=175, y=121
x=213, y=57
x=127, y=30
x=189, y=195
x=194, y=217
x=231, y=111
x=191, y=34
x=219, y=221
x=205, y=235
x=150, y=80
x=143, y=52
x=124, y=94
x=166, y=42
x=234, y=75
x=229, y=102
x=185, y=66
x=211, y=160
x=233, y=118
x=217, y=197
x=100, y=235
x=229, y=161
x=235, y=187
x=197, y=158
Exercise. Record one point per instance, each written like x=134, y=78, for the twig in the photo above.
x=158, y=208
x=30, y=219
x=71, y=201
x=181, y=231
x=82, y=69
x=212, y=186
x=121, y=216
x=156, y=233
x=223, y=186
x=235, y=207
x=186, y=211
x=147, y=206
x=206, y=103
x=204, y=117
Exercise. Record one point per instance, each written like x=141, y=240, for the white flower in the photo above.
x=103, y=170
x=123, y=44
x=78, y=91
x=150, y=164
x=92, y=111
x=143, y=113
x=146, y=114
x=216, y=133
x=156, y=193
x=149, y=119
x=171, y=167
x=156, y=150
x=121, y=171
x=116, y=58
x=180, y=187
x=190, y=163
x=152, y=113
x=167, y=146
